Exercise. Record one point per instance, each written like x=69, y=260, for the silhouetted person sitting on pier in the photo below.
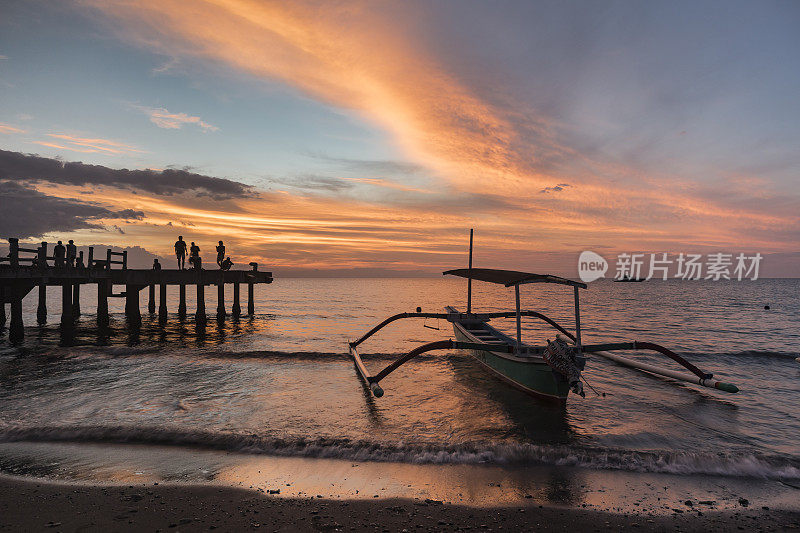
x=59, y=253
x=72, y=253
x=227, y=264
x=156, y=265
x=79, y=262
x=194, y=257
x=220, y=253
x=180, y=252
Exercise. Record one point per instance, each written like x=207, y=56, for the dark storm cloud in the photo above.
x=29, y=167
x=27, y=212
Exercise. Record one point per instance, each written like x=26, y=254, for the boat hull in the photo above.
x=534, y=376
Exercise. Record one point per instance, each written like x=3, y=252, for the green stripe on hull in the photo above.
x=535, y=378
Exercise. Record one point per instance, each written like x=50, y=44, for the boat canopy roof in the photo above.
x=509, y=278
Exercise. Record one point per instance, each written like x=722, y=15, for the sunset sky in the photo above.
x=370, y=136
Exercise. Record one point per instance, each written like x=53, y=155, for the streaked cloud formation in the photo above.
x=350, y=56
x=87, y=145
x=162, y=118
x=8, y=128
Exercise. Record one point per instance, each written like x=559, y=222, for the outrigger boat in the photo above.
x=547, y=371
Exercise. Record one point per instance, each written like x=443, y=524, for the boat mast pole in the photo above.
x=469, y=279
x=519, y=319
x=577, y=319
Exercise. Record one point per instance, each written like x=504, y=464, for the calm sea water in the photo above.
x=280, y=382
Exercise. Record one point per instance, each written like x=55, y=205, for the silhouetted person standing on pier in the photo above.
x=59, y=252
x=220, y=253
x=180, y=252
x=72, y=253
x=194, y=256
x=156, y=264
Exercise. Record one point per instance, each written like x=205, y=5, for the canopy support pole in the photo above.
x=469, y=279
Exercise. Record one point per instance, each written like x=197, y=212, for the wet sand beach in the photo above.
x=31, y=505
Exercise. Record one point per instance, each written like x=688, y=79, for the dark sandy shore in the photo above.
x=30, y=505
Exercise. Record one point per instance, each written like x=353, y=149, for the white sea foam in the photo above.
x=750, y=465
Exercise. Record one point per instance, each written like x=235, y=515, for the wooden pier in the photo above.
x=21, y=273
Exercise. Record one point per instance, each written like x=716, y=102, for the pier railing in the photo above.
x=40, y=258
x=14, y=250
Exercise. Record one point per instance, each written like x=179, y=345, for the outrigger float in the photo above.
x=549, y=371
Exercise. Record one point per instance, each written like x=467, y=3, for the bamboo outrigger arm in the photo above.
x=453, y=316
x=636, y=345
x=701, y=378
x=391, y=319
x=372, y=381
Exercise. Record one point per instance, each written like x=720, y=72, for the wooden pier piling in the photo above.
x=17, y=329
x=236, y=308
x=132, y=310
x=102, y=304
x=182, y=301
x=200, y=314
x=151, y=301
x=41, y=307
x=66, y=305
x=2, y=307
x=21, y=273
x=162, y=303
x=221, y=299
x=76, y=301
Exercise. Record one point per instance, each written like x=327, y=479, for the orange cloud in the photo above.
x=162, y=118
x=388, y=184
x=89, y=145
x=8, y=128
x=62, y=147
x=349, y=58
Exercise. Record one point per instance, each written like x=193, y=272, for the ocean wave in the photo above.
x=750, y=465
